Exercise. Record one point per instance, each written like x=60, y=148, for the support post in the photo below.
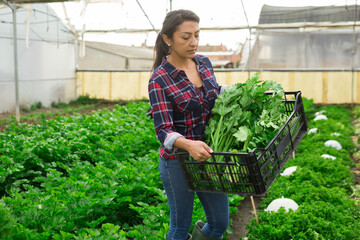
x=16, y=72
x=147, y=17
x=254, y=208
x=353, y=52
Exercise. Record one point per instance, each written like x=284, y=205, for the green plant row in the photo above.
x=44, y=115
x=79, y=104
x=79, y=171
x=84, y=177
x=320, y=186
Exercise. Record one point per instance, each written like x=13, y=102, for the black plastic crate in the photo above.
x=248, y=173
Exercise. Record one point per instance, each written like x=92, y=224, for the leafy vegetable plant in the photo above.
x=244, y=117
x=322, y=187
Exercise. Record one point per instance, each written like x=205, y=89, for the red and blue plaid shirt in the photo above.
x=178, y=107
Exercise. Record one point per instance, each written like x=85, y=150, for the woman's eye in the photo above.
x=186, y=38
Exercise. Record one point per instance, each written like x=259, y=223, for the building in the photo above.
x=109, y=57
x=220, y=56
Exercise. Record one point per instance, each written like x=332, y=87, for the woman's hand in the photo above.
x=198, y=150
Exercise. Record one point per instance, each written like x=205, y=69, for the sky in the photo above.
x=127, y=14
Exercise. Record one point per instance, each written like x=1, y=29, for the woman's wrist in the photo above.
x=182, y=143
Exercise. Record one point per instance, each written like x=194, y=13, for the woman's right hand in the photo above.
x=198, y=150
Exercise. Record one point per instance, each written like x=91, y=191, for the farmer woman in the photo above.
x=182, y=91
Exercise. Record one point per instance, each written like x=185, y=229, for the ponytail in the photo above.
x=161, y=50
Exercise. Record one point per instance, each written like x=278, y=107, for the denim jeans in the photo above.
x=180, y=199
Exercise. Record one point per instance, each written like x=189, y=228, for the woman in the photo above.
x=182, y=91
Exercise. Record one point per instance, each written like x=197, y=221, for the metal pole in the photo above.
x=247, y=21
x=353, y=56
x=146, y=15
x=16, y=72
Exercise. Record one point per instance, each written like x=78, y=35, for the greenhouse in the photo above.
x=250, y=119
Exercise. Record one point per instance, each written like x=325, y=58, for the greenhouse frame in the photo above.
x=292, y=45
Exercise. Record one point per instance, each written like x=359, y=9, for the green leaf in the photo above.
x=243, y=133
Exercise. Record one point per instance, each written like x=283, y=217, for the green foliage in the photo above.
x=58, y=104
x=244, y=117
x=320, y=186
x=316, y=220
x=308, y=106
x=95, y=177
x=84, y=177
x=86, y=99
x=75, y=172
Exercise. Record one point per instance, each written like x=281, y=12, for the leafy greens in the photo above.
x=244, y=117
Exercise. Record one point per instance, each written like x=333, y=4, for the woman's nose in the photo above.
x=194, y=41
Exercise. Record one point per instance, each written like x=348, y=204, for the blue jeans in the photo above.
x=180, y=199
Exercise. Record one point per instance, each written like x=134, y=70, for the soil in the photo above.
x=243, y=216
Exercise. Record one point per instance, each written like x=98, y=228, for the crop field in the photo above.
x=95, y=176
x=322, y=186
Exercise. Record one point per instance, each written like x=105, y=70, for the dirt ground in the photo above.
x=242, y=218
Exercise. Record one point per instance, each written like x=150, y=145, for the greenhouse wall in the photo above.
x=308, y=50
x=46, y=58
x=324, y=87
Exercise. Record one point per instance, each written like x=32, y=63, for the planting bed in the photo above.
x=94, y=176
x=324, y=188
x=83, y=176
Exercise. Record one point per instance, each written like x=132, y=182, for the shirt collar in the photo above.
x=173, y=71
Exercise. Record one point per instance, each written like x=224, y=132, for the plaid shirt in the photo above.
x=179, y=108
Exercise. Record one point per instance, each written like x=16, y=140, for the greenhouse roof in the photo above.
x=276, y=14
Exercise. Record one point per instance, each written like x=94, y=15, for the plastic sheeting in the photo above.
x=306, y=49
x=46, y=54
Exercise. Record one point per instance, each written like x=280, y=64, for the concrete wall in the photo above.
x=335, y=87
x=125, y=85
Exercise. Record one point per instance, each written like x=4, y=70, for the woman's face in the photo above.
x=185, y=40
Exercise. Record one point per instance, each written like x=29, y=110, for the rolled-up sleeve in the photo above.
x=162, y=111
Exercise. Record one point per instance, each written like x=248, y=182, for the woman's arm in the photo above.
x=162, y=113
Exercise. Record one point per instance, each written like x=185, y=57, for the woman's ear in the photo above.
x=166, y=39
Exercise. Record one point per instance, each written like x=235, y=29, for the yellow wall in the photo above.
x=324, y=87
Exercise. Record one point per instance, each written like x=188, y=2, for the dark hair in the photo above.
x=172, y=20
